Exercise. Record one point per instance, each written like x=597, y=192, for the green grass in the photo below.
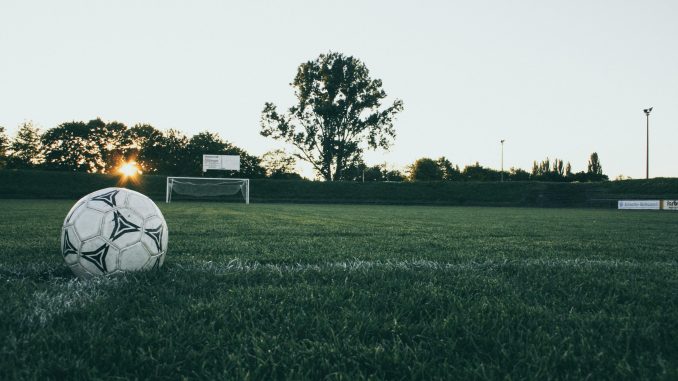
x=348, y=292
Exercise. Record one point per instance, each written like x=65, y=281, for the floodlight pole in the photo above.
x=502, y=160
x=647, y=142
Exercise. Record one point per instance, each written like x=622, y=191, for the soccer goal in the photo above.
x=205, y=187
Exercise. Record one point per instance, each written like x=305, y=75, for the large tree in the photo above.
x=337, y=116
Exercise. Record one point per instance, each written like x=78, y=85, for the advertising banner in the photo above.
x=639, y=204
x=670, y=204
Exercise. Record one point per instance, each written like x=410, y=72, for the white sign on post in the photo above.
x=221, y=162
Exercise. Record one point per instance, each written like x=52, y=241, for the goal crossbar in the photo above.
x=173, y=181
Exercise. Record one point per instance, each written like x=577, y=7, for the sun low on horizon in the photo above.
x=129, y=169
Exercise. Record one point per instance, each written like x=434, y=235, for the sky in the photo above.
x=557, y=79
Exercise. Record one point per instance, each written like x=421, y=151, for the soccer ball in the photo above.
x=113, y=231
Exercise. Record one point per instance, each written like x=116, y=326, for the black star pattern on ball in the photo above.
x=121, y=226
x=97, y=257
x=108, y=197
x=156, y=235
x=68, y=246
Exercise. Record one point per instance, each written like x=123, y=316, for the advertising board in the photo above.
x=220, y=162
x=639, y=204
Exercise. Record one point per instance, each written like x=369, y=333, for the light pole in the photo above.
x=647, y=112
x=502, y=160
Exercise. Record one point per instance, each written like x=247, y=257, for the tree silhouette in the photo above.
x=135, y=139
x=67, y=147
x=558, y=168
x=594, y=167
x=425, y=169
x=517, y=174
x=165, y=153
x=108, y=142
x=392, y=175
x=548, y=170
x=448, y=171
x=338, y=114
x=94, y=146
x=594, y=170
x=380, y=172
x=26, y=148
x=477, y=172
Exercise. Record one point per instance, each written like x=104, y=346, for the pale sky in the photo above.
x=554, y=78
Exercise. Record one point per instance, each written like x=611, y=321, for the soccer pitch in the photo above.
x=270, y=291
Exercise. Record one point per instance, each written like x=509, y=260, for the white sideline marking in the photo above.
x=68, y=294
x=356, y=265
x=64, y=296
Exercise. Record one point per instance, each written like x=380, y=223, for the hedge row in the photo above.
x=72, y=185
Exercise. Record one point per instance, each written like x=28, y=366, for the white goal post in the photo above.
x=207, y=187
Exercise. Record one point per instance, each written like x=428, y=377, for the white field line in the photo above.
x=17, y=272
x=13, y=273
x=356, y=265
x=66, y=295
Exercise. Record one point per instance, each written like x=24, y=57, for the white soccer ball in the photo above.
x=113, y=231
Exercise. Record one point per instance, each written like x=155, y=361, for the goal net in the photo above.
x=211, y=188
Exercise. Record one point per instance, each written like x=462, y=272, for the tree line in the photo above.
x=100, y=147
x=426, y=169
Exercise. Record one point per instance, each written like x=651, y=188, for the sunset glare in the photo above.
x=129, y=169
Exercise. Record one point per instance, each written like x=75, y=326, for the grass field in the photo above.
x=347, y=292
